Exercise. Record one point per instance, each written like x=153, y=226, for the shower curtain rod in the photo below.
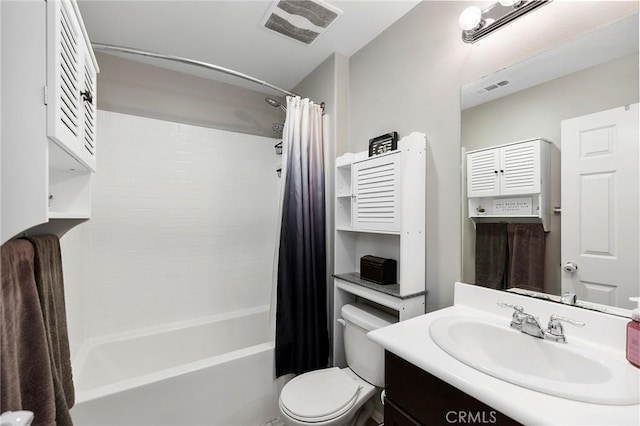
x=122, y=49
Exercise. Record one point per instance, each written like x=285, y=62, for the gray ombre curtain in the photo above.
x=302, y=340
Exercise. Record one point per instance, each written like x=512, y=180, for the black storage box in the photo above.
x=378, y=269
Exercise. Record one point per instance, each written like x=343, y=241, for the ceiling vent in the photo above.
x=301, y=20
x=492, y=87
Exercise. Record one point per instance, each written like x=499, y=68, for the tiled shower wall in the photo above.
x=183, y=226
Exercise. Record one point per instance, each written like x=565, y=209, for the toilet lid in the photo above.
x=319, y=395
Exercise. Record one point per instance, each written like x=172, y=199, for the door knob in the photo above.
x=570, y=267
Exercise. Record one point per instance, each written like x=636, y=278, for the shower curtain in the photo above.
x=302, y=340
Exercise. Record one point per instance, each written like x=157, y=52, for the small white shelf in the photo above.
x=69, y=215
x=493, y=216
x=341, y=229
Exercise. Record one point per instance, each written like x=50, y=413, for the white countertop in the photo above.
x=410, y=340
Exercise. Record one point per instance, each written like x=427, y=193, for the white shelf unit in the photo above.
x=510, y=183
x=48, y=64
x=380, y=210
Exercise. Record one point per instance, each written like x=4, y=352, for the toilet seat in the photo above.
x=320, y=395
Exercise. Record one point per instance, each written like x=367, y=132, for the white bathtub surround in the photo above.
x=180, y=250
x=182, y=226
x=411, y=341
x=213, y=371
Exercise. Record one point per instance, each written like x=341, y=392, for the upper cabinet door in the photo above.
x=88, y=140
x=71, y=83
x=506, y=170
x=520, y=168
x=376, y=183
x=482, y=173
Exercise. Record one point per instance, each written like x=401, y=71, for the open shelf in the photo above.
x=390, y=289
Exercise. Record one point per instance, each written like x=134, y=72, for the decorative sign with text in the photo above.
x=512, y=206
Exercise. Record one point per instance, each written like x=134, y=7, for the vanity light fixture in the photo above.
x=477, y=23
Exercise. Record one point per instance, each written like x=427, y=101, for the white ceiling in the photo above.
x=229, y=34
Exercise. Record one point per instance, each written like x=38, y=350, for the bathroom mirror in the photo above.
x=592, y=73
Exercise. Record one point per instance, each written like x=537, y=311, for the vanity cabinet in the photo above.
x=48, y=117
x=510, y=182
x=415, y=397
x=380, y=210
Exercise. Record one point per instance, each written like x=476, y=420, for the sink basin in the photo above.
x=572, y=370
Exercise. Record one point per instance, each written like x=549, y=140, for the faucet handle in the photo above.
x=518, y=314
x=517, y=308
x=555, y=329
x=554, y=321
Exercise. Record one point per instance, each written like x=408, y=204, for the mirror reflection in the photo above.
x=550, y=172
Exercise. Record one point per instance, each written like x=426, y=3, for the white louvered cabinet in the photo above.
x=380, y=211
x=71, y=84
x=376, y=195
x=48, y=124
x=510, y=182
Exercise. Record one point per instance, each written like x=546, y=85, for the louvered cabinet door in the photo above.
x=66, y=68
x=376, y=184
x=88, y=140
x=483, y=169
x=520, y=168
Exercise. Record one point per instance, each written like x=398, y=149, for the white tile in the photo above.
x=183, y=226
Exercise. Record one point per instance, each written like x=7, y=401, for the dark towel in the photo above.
x=49, y=281
x=25, y=371
x=491, y=254
x=526, y=256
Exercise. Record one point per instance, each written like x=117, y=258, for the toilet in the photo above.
x=335, y=396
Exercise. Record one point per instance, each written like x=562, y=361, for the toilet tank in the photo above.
x=364, y=357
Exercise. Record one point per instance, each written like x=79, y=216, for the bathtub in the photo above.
x=217, y=371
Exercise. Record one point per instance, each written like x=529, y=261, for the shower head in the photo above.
x=272, y=102
x=275, y=103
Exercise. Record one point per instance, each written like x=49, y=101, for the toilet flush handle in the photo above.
x=341, y=321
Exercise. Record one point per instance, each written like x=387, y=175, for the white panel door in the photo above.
x=482, y=173
x=376, y=193
x=600, y=206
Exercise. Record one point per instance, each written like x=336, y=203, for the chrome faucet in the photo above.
x=528, y=324
x=569, y=298
x=555, y=331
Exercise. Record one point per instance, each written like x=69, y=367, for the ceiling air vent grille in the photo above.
x=301, y=20
x=492, y=86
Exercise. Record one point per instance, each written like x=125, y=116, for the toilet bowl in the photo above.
x=340, y=396
x=331, y=396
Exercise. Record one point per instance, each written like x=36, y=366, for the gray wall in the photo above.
x=409, y=78
x=328, y=83
x=136, y=88
x=538, y=111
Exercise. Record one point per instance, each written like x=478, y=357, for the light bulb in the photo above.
x=470, y=18
x=508, y=3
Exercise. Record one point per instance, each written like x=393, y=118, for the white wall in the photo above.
x=409, y=78
x=183, y=226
